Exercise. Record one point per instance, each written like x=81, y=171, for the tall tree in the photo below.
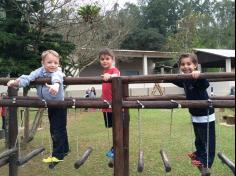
x=23, y=35
x=157, y=20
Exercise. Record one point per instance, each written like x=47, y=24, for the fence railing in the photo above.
x=120, y=105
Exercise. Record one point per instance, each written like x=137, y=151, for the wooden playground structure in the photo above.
x=120, y=105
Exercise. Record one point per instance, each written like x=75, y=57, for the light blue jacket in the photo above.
x=43, y=90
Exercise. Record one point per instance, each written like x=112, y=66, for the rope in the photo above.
x=139, y=130
x=139, y=125
x=208, y=130
x=108, y=132
x=107, y=124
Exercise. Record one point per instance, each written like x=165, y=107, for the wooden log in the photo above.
x=134, y=79
x=165, y=161
x=30, y=156
x=111, y=163
x=126, y=131
x=118, y=127
x=84, y=158
x=227, y=161
x=36, y=123
x=173, y=97
x=53, y=103
x=12, y=134
x=171, y=77
x=7, y=153
x=4, y=162
x=184, y=104
x=140, y=167
x=126, y=104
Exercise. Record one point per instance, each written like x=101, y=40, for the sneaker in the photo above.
x=110, y=153
x=52, y=160
x=192, y=156
x=197, y=163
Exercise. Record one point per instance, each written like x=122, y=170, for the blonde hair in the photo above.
x=47, y=52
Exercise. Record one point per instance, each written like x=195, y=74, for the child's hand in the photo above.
x=53, y=89
x=13, y=83
x=106, y=77
x=196, y=74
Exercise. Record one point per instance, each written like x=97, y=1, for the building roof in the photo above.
x=219, y=52
x=214, y=57
x=141, y=54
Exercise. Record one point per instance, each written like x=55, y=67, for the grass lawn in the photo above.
x=90, y=130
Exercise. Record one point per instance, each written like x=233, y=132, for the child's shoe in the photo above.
x=110, y=153
x=51, y=159
x=192, y=156
x=197, y=163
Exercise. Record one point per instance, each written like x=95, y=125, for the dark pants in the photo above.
x=108, y=119
x=58, y=121
x=200, y=130
x=3, y=122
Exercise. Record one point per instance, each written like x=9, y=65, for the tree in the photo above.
x=24, y=35
x=157, y=20
x=105, y=30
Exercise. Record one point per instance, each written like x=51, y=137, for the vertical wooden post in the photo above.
x=118, y=127
x=126, y=131
x=12, y=134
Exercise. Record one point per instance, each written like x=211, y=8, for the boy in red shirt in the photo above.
x=3, y=113
x=107, y=57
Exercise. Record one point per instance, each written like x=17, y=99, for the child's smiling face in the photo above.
x=187, y=65
x=51, y=63
x=106, y=61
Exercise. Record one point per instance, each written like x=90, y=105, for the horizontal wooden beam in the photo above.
x=4, y=161
x=126, y=104
x=183, y=103
x=30, y=156
x=7, y=153
x=170, y=77
x=53, y=103
x=173, y=97
x=214, y=77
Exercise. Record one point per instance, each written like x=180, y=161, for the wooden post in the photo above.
x=126, y=131
x=118, y=127
x=12, y=134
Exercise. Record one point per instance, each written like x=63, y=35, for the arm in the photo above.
x=108, y=76
x=57, y=80
x=199, y=83
x=24, y=80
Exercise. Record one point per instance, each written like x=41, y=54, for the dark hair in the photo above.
x=192, y=56
x=107, y=51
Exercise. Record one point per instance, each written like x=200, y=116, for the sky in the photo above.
x=109, y=3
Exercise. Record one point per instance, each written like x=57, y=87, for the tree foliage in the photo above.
x=180, y=25
x=24, y=35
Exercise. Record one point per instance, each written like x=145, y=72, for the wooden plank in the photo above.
x=126, y=131
x=118, y=127
x=13, y=133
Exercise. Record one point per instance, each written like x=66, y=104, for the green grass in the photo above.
x=89, y=127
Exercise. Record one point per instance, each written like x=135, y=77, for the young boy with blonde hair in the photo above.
x=57, y=116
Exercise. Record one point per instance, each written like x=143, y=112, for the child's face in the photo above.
x=106, y=61
x=187, y=65
x=51, y=63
